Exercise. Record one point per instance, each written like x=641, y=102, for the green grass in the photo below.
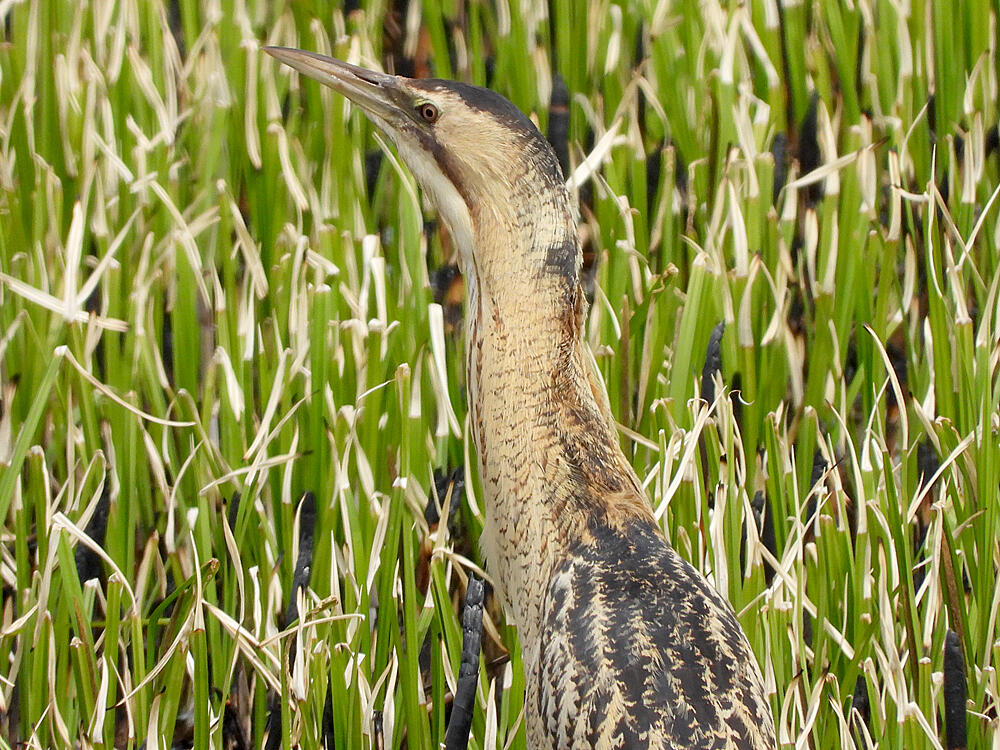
x=201, y=296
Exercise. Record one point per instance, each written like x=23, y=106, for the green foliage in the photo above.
x=201, y=294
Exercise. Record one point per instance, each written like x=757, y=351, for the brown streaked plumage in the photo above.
x=625, y=644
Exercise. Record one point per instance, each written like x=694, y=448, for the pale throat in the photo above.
x=531, y=406
x=511, y=251
x=523, y=329
x=521, y=259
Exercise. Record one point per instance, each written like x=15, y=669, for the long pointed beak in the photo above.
x=375, y=93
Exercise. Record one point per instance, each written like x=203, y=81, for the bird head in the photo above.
x=485, y=166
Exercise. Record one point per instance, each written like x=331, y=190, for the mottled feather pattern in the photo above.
x=637, y=650
x=625, y=645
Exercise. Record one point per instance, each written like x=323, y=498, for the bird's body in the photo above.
x=625, y=645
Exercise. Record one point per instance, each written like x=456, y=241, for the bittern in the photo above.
x=625, y=644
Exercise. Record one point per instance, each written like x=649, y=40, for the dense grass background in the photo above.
x=211, y=284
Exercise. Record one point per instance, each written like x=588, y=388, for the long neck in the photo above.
x=549, y=456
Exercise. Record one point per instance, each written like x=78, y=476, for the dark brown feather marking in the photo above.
x=629, y=621
x=624, y=643
x=561, y=260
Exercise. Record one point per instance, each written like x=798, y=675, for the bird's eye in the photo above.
x=429, y=112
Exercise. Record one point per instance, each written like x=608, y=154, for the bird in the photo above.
x=624, y=643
